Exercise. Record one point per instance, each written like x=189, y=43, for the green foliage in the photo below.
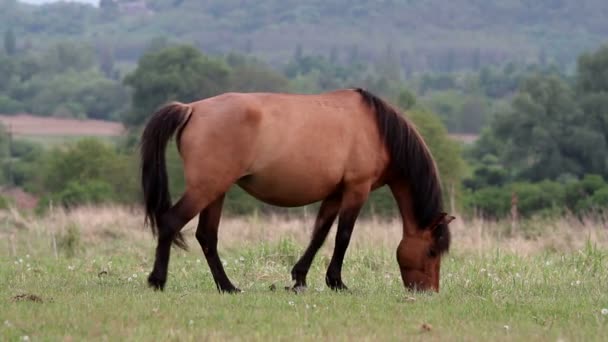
x=89, y=192
x=487, y=173
x=4, y=203
x=61, y=81
x=592, y=71
x=10, y=42
x=553, y=132
x=462, y=34
x=585, y=196
x=87, y=172
x=252, y=75
x=406, y=99
x=177, y=73
x=546, y=135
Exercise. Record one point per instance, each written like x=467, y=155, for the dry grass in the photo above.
x=97, y=224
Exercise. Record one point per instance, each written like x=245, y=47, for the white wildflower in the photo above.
x=191, y=322
x=291, y=303
x=71, y=268
x=506, y=327
x=25, y=338
x=242, y=259
x=129, y=279
x=604, y=312
x=134, y=275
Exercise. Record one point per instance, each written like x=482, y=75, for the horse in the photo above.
x=292, y=150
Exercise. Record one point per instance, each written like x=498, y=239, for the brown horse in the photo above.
x=293, y=150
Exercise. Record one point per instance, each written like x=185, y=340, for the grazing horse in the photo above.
x=292, y=150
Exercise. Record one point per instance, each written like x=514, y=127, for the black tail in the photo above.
x=413, y=160
x=155, y=183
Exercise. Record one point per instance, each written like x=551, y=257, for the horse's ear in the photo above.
x=446, y=219
x=443, y=218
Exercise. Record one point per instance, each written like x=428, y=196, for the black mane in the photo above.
x=412, y=159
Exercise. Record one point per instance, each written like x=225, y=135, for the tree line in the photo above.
x=550, y=142
x=427, y=35
x=543, y=140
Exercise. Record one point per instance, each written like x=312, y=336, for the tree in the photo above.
x=406, y=99
x=106, y=61
x=252, y=76
x=446, y=152
x=10, y=42
x=66, y=56
x=180, y=73
x=592, y=88
x=88, y=170
x=109, y=9
x=545, y=134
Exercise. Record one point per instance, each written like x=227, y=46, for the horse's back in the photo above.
x=289, y=149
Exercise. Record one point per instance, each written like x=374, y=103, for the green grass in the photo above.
x=101, y=294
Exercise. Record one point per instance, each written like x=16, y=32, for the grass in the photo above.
x=494, y=286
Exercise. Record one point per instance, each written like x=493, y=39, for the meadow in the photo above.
x=81, y=275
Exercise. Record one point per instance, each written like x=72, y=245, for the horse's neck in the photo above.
x=401, y=192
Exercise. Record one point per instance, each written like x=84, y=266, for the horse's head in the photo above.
x=419, y=254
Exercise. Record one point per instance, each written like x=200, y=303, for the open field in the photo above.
x=56, y=131
x=81, y=275
x=25, y=124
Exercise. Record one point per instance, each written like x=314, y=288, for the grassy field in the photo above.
x=81, y=275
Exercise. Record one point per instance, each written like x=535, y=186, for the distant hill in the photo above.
x=418, y=35
x=40, y=2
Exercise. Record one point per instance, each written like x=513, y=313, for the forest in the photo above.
x=538, y=113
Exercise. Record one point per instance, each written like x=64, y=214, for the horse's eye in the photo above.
x=432, y=253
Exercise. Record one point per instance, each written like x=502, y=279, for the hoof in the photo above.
x=335, y=284
x=299, y=289
x=156, y=283
x=231, y=290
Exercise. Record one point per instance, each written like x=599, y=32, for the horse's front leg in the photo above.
x=325, y=219
x=352, y=202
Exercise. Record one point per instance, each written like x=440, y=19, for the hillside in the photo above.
x=419, y=35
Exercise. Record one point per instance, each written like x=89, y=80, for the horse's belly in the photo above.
x=285, y=191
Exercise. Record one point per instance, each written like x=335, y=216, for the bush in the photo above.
x=90, y=192
x=578, y=196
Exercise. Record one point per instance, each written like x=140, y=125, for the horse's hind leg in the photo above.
x=169, y=225
x=325, y=219
x=206, y=234
x=352, y=202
